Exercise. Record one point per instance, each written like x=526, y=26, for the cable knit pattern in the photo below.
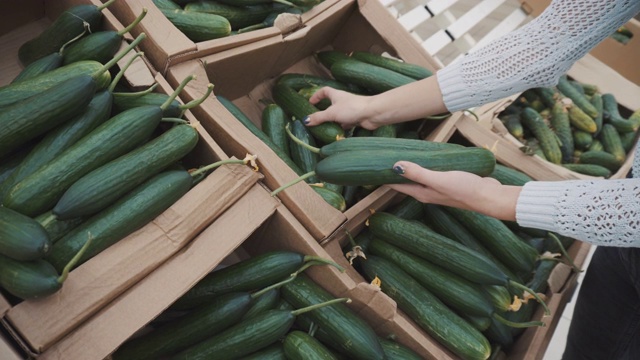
x=535, y=55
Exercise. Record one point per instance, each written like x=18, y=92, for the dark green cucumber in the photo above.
x=582, y=139
x=612, y=143
x=396, y=351
x=61, y=138
x=509, y=176
x=257, y=272
x=386, y=131
x=40, y=66
x=369, y=167
x=127, y=215
x=29, y=118
x=106, y=184
x=122, y=133
x=596, y=101
x=548, y=141
x=249, y=335
x=244, y=120
x=273, y=352
x=239, y=17
x=199, y=324
x=308, y=93
x=168, y=4
x=374, y=78
x=298, y=107
x=328, y=57
x=331, y=197
x=57, y=228
x=299, y=345
x=408, y=208
x=613, y=117
x=21, y=237
x=274, y=121
x=28, y=279
x=578, y=99
x=99, y=46
x=266, y=301
x=10, y=165
x=198, y=26
x=375, y=143
x=562, y=127
x=549, y=96
x=298, y=81
x=426, y=310
x=513, y=124
x=270, y=20
x=498, y=239
x=348, y=332
x=412, y=70
x=601, y=158
x=64, y=28
x=596, y=144
x=126, y=101
x=302, y=156
x=628, y=140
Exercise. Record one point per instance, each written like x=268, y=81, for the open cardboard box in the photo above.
x=169, y=46
x=490, y=133
x=246, y=74
x=37, y=325
x=620, y=57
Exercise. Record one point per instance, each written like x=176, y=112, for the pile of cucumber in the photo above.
x=622, y=35
x=456, y=273
x=81, y=164
x=573, y=125
x=261, y=308
x=202, y=20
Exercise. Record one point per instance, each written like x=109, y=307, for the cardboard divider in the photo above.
x=168, y=46
x=246, y=74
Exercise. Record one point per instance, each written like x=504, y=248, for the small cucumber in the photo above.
x=198, y=26
x=28, y=279
x=579, y=99
x=329, y=57
x=274, y=121
x=331, y=197
x=412, y=70
x=561, y=125
x=298, y=81
x=589, y=169
x=374, y=78
x=299, y=345
x=302, y=156
x=601, y=158
x=548, y=141
x=612, y=143
x=239, y=17
x=21, y=237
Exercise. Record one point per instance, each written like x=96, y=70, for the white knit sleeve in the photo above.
x=535, y=55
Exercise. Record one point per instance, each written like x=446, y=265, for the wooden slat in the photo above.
x=414, y=17
x=510, y=23
x=474, y=16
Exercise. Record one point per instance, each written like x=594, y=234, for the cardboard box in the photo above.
x=168, y=46
x=8, y=349
x=620, y=57
x=246, y=74
x=38, y=324
x=490, y=133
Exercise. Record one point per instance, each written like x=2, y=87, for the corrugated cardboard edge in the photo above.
x=97, y=337
x=7, y=351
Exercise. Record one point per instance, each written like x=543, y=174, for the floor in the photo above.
x=556, y=346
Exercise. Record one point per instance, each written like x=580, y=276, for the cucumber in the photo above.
x=273, y=352
x=348, y=332
x=589, y=169
x=298, y=345
x=596, y=101
x=10, y=165
x=167, y=4
x=274, y=121
x=596, y=144
x=331, y=197
x=582, y=139
x=302, y=156
x=386, y=131
x=267, y=300
x=238, y=17
x=514, y=125
x=124, y=101
x=581, y=121
x=21, y=237
x=198, y=26
x=549, y=96
x=28, y=279
x=298, y=81
x=628, y=140
x=40, y=66
x=64, y=28
x=612, y=143
x=308, y=93
x=580, y=100
x=106, y=184
x=56, y=229
x=412, y=70
x=449, y=329
x=509, y=176
x=329, y=57
x=298, y=107
x=601, y=158
x=548, y=141
x=375, y=143
x=396, y=351
x=562, y=127
x=374, y=78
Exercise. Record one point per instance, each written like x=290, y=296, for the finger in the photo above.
x=319, y=117
x=415, y=172
x=322, y=93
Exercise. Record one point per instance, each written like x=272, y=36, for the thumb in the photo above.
x=319, y=117
x=414, y=172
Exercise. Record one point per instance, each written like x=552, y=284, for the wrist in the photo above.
x=498, y=201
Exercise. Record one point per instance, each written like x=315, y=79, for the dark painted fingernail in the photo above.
x=306, y=120
x=398, y=170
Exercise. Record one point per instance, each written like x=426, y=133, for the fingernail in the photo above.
x=398, y=170
x=306, y=120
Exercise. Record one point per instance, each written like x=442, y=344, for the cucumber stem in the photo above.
x=321, y=260
x=274, y=286
x=103, y=6
x=86, y=27
x=517, y=324
x=119, y=55
x=320, y=305
x=252, y=27
x=564, y=252
x=177, y=91
x=193, y=103
x=313, y=149
x=473, y=114
x=438, y=117
x=120, y=73
x=135, y=22
x=291, y=183
x=74, y=260
x=139, y=93
x=175, y=120
x=533, y=293
x=204, y=169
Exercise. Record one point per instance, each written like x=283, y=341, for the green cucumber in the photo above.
x=308, y=93
x=329, y=57
x=449, y=329
x=509, y=176
x=298, y=81
x=167, y=4
x=548, y=141
x=274, y=121
x=396, y=351
x=264, y=301
x=301, y=155
x=10, y=165
x=589, y=169
x=64, y=28
x=581, y=121
x=273, y=352
x=124, y=101
x=412, y=70
x=57, y=228
x=298, y=107
x=612, y=143
x=348, y=332
x=331, y=197
x=562, y=127
x=580, y=100
x=239, y=17
x=514, y=125
x=299, y=345
x=21, y=237
x=596, y=101
x=198, y=26
x=549, y=96
x=628, y=140
x=386, y=131
x=601, y=158
x=374, y=78
x=582, y=139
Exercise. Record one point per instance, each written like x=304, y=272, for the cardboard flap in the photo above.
x=372, y=304
x=288, y=22
x=558, y=277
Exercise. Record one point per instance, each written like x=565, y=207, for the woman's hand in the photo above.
x=458, y=189
x=347, y=109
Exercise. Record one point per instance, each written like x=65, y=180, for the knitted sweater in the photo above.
x=601, y=212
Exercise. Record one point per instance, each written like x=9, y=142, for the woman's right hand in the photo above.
x=347, y=109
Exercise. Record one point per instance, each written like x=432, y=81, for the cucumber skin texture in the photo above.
x=29, y=118
x=273, y=352
x=612, y=143
x=580, y=120
x=349, y=333
x=562, y=127
x=39, y=192
x=12, y=93
x=258, y=272
x=128, y=214
x=589, y=169
x=99, y=46
x=267, y=301
x=375, y=143
x=304, y=158
x=10, y=165
x=58, y=228
x=298, y=82
x=238, y=17
x=548, y=142
x=28, y=279
x=329, y=57
x=122, y=102
x=331, y=197
x=508, y=176
x=167, y=4
x=374, y=78
x=299, y=345
x=411, y=70
x=21, y=237
x=198, y=325
x=103, y=186
x=427, y=311
x=601, y=158
x=40, y=66
x=396, y=351
x=274, y=121
x=243, y=338
x=64, y=28
x=358, y=168
x=596, y=101
x=420, y=240
x=61, y=138
x=198, y=26
x=578, y=99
